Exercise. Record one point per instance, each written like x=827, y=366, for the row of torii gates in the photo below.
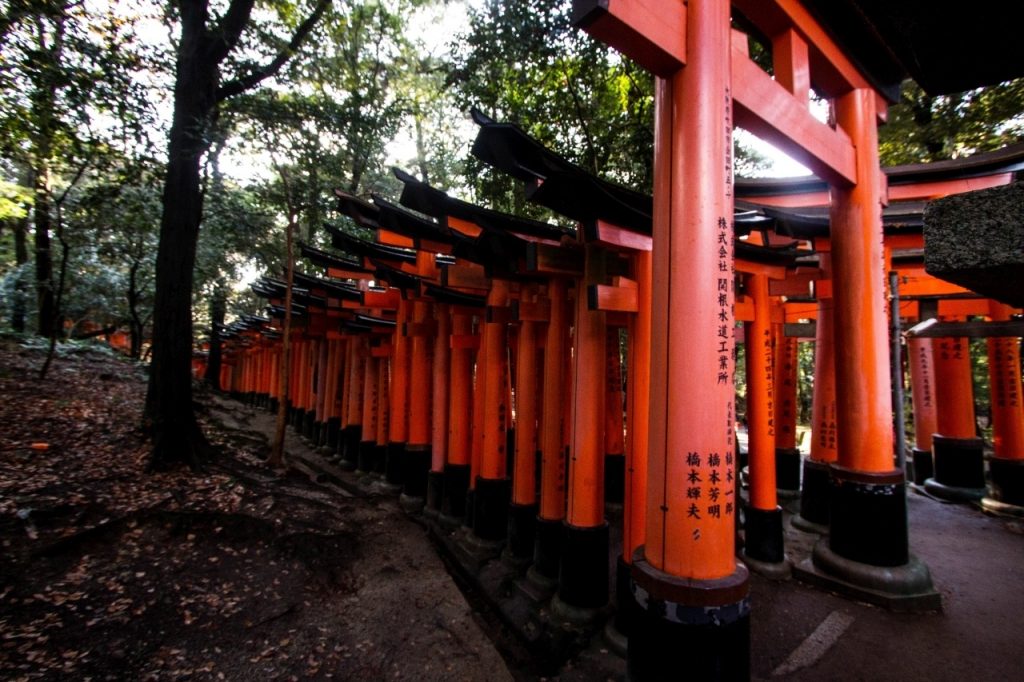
x=471, y=359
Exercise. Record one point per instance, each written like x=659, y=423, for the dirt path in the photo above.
x=109, y=573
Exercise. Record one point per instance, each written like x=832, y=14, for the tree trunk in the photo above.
x=176, y=435
x=18, y=309
x=44, y=255
x=135, y=324
x=218, y=309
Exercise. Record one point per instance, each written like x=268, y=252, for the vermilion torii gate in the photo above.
x=692, y=590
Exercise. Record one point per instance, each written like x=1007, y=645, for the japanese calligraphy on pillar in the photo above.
x=766, y=349
x=1005, y=362
x=785, y=399
x=924, y=365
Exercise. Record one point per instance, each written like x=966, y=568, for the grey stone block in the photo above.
x=976, y=240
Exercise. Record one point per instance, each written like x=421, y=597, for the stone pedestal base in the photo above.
x=693, y=629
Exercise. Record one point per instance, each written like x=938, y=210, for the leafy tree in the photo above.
x=923, y=127
x=523, y=62
x=208, y=44
x=66, y=65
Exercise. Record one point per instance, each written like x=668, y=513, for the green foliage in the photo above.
x=523, y=62
x=925, y=128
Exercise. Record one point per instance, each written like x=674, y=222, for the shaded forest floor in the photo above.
x=107, y=572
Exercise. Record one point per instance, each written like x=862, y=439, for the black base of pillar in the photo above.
x=456, y=483
x=614, y=479
x=923, y=467
x=490, y=508
x=814, y=497
x=689, y=628
x=522, y=530
x=1007, y=480
x=435, y=491
x=333, y=429
x=380, y=459
x=274, y=405
x=306, y=424
x=583, y=574
x=764, y=535
x=787, y=471
x=627, y=611
x=394, y=463
x=414, y=475
x=470, y=510
x=868, y=517
x=319, y=433
x=353, y=436
x=547, y=554
x=959, y=462
x=364, y=461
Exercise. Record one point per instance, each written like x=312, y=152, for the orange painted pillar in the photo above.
x=638, y=395
x=523, y=508
x=322, y=374
x=353, y=433
x=763, y=549
x=868, y=543
x=1007, y=464
x=440, y=386
x=922, y=394
x=692, y=592
x=583, y=577
x=380, y=451
x=956, y=449
x=460, y=419
x=368, y=427
x=787, y=455
x=421, y=379
x=398, y=397
x=614, y=436
x=331, y=417
x=816, y=488
x=492, y=490
x=547, y=553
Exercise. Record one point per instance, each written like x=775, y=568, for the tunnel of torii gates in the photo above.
x=471, y=360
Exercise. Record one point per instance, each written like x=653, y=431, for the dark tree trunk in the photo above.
x=18, y=309
x=44, y=255
x=176, y=435
x=135, y=324
x=218, y=309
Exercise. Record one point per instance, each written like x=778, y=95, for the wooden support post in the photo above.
x=1007, y=464
x=368, y=428
x=440, y=387
x=763, y=550
x=460, y=412
x=816, y=489
x=380, y=452
x=868, y=546
x=492, y=490
x=398, y=397
x=356, y=378
x=614, y=436
x=787, y=455
x=922, y=395
x=421, y=379
x=692, y=592
x=583, y=577
x=638, y=395
x=956, y=449
x=523, y=508
x=548, y=551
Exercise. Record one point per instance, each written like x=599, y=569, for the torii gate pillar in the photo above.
x=693, y=595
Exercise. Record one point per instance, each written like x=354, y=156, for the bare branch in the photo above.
x=243, y=83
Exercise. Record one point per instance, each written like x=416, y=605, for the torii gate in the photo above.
x=693, y=592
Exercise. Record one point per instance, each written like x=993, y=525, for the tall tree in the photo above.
x=204, y=46
x=65, y=64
